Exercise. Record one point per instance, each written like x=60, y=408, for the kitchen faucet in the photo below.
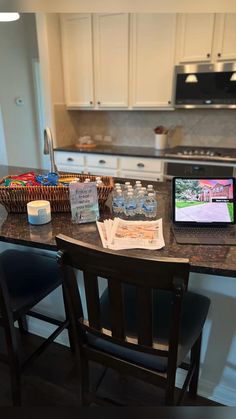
x=48, y=148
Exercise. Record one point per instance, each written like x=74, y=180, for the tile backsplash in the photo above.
x=199, y=127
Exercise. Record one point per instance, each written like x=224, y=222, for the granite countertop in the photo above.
x=14, y=228
x=132, y=151
x=116, y=150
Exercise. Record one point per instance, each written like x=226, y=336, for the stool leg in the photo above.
x=15, y=386
x=84, y=381
x=23, y=326
x=70, y=334
x=195, y=359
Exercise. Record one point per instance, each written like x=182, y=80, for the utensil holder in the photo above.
x=160, y=141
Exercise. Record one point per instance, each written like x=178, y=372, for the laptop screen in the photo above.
x=203, y=201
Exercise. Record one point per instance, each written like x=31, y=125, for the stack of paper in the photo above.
x=120, y=234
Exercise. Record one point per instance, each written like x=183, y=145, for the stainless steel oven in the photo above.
x=202, y=162
x=172, y=169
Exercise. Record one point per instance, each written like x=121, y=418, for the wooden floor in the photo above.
x=52, y=382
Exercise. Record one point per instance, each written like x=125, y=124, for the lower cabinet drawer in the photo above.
x=101, y=161
x=141, y=164
x=69, y=159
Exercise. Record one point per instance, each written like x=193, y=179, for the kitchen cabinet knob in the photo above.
x=70, y=159
x=219, y=54
x=91, y=102
x=99, y=103
x=208, y=55
x=102, y=161
x=140, y=165
x=169, y=102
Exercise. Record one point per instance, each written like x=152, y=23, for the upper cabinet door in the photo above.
x=152, y=59
x=195, y=37
x=78, y=60
x=225, y=37
x=111, y=41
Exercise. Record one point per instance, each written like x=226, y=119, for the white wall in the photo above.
x=18, y=47
x=3, y=151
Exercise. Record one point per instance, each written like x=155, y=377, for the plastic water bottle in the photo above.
x=150, y=206
x=126, y=185
x=150, y=189
x=117, y=201
x=138, y=184
x=127, y=190
x=140, y=201
x=130, y=204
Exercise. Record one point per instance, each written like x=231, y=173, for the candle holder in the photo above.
x=39, y=212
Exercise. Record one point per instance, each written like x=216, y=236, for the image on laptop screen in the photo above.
x=203, y=200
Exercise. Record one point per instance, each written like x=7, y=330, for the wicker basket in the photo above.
x=15, y=199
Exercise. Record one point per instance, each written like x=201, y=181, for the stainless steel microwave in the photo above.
x=205, y=85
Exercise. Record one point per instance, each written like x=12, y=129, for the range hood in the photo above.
x=205, y=86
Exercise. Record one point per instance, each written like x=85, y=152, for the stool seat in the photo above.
x=29, y=278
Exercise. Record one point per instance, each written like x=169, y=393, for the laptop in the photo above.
x=204, y=210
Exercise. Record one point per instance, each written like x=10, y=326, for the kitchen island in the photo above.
x=14, y=228
x=213, y=273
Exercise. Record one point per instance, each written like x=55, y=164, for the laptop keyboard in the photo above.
x=203, y=232
x=205, y=235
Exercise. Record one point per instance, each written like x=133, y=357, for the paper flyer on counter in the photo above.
x=120, y=234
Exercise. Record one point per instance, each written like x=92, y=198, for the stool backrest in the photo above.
x=145, y=273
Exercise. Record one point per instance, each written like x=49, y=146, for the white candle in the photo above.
x=39, y=212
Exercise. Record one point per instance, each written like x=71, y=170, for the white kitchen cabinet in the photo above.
x=195, y=37
x=102, y=164
x=111, y=43
x=108, y=67
x=95, y=60
x=141, y=168
x=69, y=161
x=77, y=54
x=206, y=37
x=152, y=59
x=224, y=48
x=146, y=168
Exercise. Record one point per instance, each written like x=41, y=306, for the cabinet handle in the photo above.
x=219, y=54
x=140, y=165
x=102, y=161
x=91, y=102
x=169, y=102
x=70, y=159
x=99, y=103
x=208, y=55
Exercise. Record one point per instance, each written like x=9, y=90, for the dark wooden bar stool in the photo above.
x=25, y=279
x=143, y=325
